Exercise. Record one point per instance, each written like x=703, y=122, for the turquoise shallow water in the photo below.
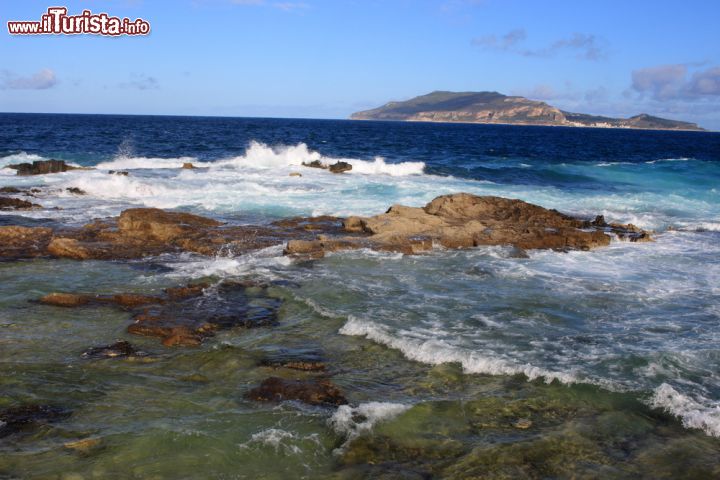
x=456, y=364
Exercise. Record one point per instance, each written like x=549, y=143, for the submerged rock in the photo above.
x=24, y=417
x=84, y=446
x=42, y=167
x=8, y=203
x=295, y=359
x=65, y=299
x=117, y=349
x=313, y=392
x=76, y=191
x=183, y=316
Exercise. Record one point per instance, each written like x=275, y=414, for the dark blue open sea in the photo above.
x=456, y=364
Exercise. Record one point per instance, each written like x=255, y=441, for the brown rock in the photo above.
x=8, y=203
x=314, y=164
x=313, y=392
x=158, y=225
x=340, y=167
x=83, y=446
x=24, y=242
x=464, y=220
x=182, y=337
x=76, y=191
x=192, y=290
x=295, y=174
x=133, y=300
x=188, y=166
x=11, y=190
x=68, y=248
x=42, y=167
x=65, y=299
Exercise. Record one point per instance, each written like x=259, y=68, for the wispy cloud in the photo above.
x=503, y=42
x=141, y=82
x=584, y=46
x=42, y=80
x=671, y=82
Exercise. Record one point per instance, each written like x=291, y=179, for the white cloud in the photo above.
x=42, y=80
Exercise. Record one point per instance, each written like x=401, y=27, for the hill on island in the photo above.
x=494, y=107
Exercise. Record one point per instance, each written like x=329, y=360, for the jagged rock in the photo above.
x=42, y=167
x=76, y=191
x=26, y=417
x=191, y=290
x=462, y=221
x=8, y=203
x=24, y=242
x=340, y=167
x=117, y=349
x=68, y=248
x=159, y=225
x=314, y=164
x=116, y=172
x=313, y=392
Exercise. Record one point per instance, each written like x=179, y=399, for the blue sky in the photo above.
x=326, y=59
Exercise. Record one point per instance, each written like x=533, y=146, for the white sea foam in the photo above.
x=282, y=441
x=703, y=415
x=436, y=352
x=123, y=162
x=352, y=422
x=681, y=159
x=260, y=155
x=261, y=264
x=20, y=157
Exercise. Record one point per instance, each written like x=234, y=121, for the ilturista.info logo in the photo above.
x=57, y=22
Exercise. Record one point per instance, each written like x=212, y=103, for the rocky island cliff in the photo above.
x=493, y=107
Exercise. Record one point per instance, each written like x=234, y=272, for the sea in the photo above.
x=456, y=363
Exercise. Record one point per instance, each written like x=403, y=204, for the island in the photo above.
x=496, y=108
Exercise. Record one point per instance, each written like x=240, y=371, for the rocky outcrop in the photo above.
x=462, y=221
x=24, y=242
x=8, y=203
x=313, y=392
x=337, y=167
x=42, y=167
x=451, y=221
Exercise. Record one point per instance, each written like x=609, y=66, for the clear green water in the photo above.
x=180, y=413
